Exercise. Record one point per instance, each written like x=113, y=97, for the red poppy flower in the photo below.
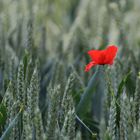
x=102, y=57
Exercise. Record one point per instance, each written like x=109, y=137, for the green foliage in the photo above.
x=3, y=114
x=8, y=131
x=83, y=105
x=45, y=93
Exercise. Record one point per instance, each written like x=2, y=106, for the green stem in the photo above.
x=87, y=128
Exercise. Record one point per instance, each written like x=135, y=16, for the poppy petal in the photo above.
x=111, y=52
x=95, y=55
x=89, y=66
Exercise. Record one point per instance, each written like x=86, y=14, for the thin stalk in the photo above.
x=87, y=128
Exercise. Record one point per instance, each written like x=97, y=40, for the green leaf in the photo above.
x=123, y=83
x=3, y=114
x=119, y=92
x=6, y=134
x=95, y=85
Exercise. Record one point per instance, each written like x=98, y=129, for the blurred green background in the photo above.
x=43, y=53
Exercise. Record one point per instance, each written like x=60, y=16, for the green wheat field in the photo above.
x=45, y=93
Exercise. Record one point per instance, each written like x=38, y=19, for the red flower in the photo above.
x=102, y=57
